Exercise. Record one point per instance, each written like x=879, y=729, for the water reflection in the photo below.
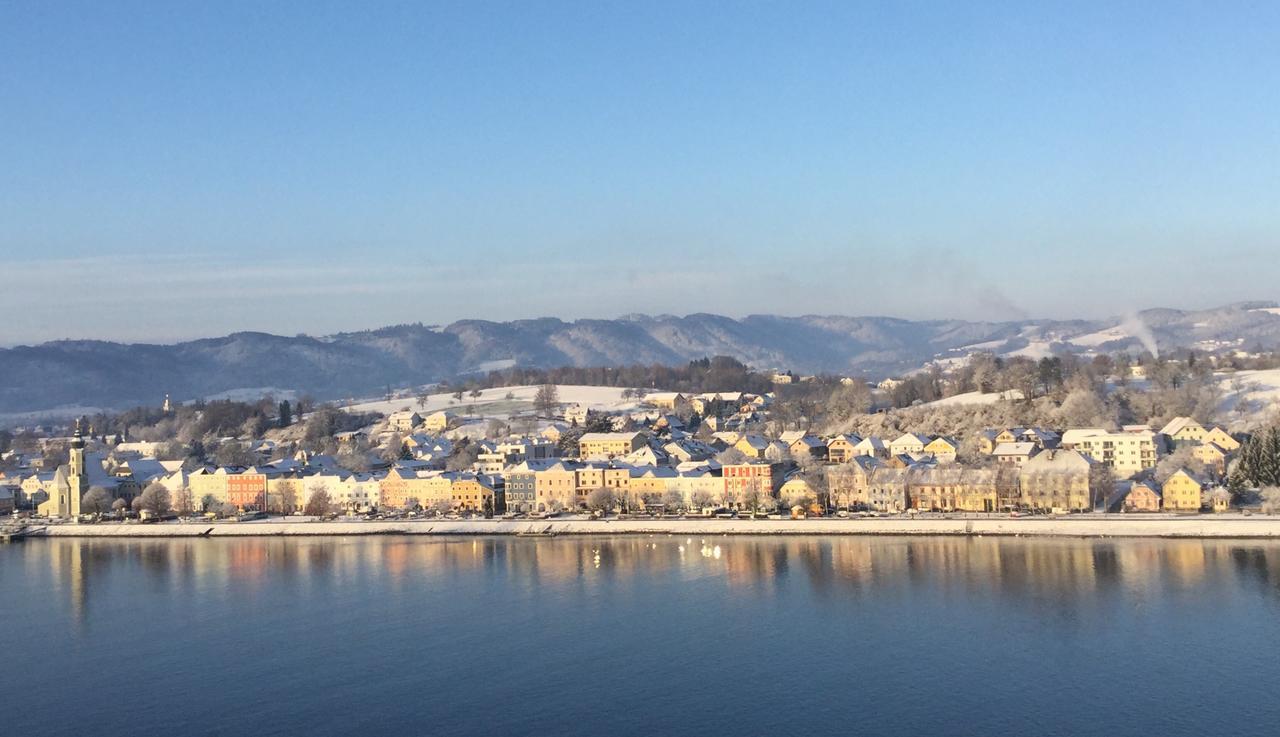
x=1059, y=576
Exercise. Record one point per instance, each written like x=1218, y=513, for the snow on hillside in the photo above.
x=1248, y=397
x=494, y=402
x=1268, y=310
x=1103, y=336
x=976, y=398
x=1035, y=350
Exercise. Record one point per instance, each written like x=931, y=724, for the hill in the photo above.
x=38, y=379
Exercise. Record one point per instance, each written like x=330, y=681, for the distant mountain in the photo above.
x=113, y=375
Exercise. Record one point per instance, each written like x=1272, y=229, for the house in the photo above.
x=1213, y=457
x=1143, y=496
x=987, y=441
x=438, y=422
x=1219, y=499
x=910, y=444
x=553, y=431
x=849, y=483
x=1041, y=437
x=803, y=445
x=555, y=486
x=1014, y=454
x=743, y=479
x=609, y=444
x=1060, y=480
x=9, y=498
x=1184, y=431
x=887, y=489
x=751, y=446
x=1221, y=438
x=576, y=414
x=796, y=486
x=842, y=448
x=951, y=489
x=666, y=400
x=1182, y=492
x=1126, y=453
x=688, y=449
x=475, y=493
x=871, y=446
x=404, y=421
x=943, y=449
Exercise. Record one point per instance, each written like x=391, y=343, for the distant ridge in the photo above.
x=114, y=375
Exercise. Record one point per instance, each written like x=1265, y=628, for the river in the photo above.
x=640, y=635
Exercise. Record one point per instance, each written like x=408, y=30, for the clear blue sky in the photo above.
x=180, y=169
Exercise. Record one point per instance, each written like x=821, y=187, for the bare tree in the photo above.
x=442, y=506
x=547, y=399
x=119, y=505
x=153, y=499
x=701, y=499
x=318, y=504
x=673, y=500
x=601, y=500
x=96, y=500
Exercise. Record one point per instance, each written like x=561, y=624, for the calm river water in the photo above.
x=640, y=636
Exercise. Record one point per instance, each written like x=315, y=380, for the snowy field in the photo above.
x=1248, y=397
x=495, y=403
x=976, y=398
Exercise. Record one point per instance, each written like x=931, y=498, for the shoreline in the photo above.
x=1208, y=527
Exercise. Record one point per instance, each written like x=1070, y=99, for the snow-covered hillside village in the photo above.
x=1027, y=431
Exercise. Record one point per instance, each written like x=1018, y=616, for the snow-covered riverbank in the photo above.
x=1076, y=526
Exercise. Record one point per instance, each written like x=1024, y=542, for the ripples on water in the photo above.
x=640, y=636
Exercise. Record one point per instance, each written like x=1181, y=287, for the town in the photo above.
x=634, y=452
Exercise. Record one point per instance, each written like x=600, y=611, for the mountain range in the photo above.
x=103, y=374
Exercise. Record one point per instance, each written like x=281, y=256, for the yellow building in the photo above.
x=943, y=449
x=554, y=487
x=842, y=448
x=952, y=489
x=1182, y=492
x=1222, y=439
x=205, y=483
x=473, y=494
x=609, y=444
x=1212, y=456
x=438, y=422
x=1059, y=481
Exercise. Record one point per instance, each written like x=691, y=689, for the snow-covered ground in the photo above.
x=976, y=398
x=1103, y=336
x=57, y=414
x=1248, y=397
x=495, y=403
x=1036, y=349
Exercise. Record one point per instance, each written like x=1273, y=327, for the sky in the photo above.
x=172, y=170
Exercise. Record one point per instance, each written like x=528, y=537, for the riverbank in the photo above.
x=1200, y=526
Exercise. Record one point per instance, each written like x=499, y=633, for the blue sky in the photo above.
x=170, y=170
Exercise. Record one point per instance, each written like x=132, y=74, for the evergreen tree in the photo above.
x=286, y=414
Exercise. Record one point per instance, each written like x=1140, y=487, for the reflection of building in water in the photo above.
x=67, y=558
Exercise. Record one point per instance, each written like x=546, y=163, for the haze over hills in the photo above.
x=114, y=375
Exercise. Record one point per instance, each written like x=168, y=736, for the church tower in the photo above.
x=77, y=482
x=168, y=406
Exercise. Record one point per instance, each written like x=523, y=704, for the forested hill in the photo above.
x=114, y=375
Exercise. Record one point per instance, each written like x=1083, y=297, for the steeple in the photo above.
x=77, y=483
x=168, y=406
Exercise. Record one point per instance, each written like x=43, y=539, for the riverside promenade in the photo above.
x=1085, y=525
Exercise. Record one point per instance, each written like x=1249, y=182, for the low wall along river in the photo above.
x=1197, y=526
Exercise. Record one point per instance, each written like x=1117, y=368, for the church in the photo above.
x=69, y=483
